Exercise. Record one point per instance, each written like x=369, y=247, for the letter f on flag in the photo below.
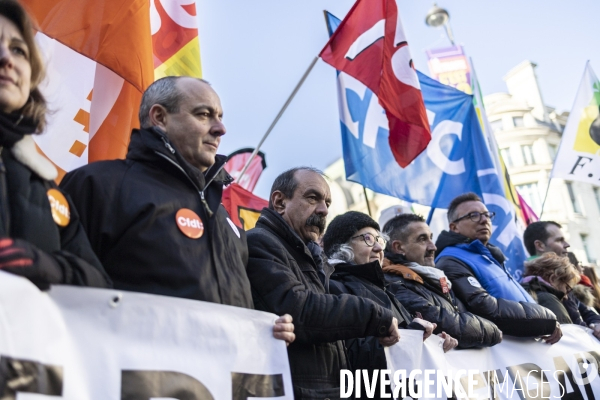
x=370, y=46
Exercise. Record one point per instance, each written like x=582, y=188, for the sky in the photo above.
x=255, y=51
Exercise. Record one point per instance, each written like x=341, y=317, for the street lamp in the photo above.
x=437, y=17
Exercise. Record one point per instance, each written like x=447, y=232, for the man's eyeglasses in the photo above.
x=370, y=240
x=476, y=216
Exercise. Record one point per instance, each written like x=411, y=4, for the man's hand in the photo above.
x=449, y=341
x=284, y=329
x=429, y=327
x=13, y=256
x=555, y=337
x=595, y=330
x=394, y=335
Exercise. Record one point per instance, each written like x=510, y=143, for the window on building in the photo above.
x=531, y=194
x=586, y=248
x=597, y=194
x=552, y=149
x=497, y=126
x=518, y=121
x=574, y=202
x=505, y=153
x=528, y=158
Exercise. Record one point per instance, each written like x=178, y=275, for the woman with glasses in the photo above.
x=549, y=279
x=354, y=244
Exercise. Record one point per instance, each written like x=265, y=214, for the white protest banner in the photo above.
x=514, y=369
x=83, y=343
x=578, y=156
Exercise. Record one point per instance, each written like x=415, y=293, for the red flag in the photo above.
x=236, y=162
x=370, y=46
x=243, y=207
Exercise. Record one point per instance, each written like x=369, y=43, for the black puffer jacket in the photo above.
x=62, y=255
x=548, y=297
x=426, y=296
x=513, y=318
x=284, y=279
x=367, y=281
x=128, y=208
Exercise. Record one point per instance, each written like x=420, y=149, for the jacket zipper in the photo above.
x=4, y=197
x=209, y=212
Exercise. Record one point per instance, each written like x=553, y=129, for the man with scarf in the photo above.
x=479, y=277
x=410, y=272
x=287, y=276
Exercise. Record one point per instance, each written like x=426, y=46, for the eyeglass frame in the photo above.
x=374, y=237
x=569, y=288
x=490, y=215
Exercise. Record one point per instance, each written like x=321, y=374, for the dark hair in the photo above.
x=36, y=106
x=397, y=227
x=590, y=272
x=163, y=91
x=286, y=182
x=537, y=231
x=457, y=201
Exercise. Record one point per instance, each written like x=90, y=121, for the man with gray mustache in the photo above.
x=286, y=274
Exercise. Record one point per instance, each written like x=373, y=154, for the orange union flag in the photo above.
x=101, y=56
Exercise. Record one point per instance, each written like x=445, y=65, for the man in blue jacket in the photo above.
x=479, y=278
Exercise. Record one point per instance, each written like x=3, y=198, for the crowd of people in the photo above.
x=154, y=223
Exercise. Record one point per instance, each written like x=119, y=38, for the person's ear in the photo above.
x=453, y=227
x=397, y=247
x=278, y=200
x=540, y=247
x=158, y=116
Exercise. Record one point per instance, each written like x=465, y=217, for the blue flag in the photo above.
x=456, y=161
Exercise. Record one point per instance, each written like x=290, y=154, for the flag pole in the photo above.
x=545, y=197
x=278, y=117
x=367, y=201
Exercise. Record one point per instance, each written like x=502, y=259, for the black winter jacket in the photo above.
x=62, y=255
x=128, y=209
x=367, y=281
x=284, y=279
x=513, y=318
x=443, y=309
x=548, y=297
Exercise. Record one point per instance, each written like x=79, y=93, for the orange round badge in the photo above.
x=59, y=207
x=189, y=223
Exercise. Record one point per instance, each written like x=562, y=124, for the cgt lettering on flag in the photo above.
x=370, y=46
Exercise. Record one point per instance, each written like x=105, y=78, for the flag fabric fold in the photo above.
x=370, y=46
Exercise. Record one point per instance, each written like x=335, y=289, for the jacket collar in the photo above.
x=447, y=239
x=26, y=153
x=371, y=272
x=398, y=269
x=537, y=284
x=274, y=222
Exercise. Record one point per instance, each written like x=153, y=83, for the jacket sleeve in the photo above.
x=552, y=303
x=318, y=317
x=588, y=314
x=514, y=318
x=470, y=330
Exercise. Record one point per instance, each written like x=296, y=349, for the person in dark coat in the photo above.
x=354, y=247
x=543, y=237
x=549, y=278
x=155, y=219
x=411, y=275
x=480, y=279
x=41, y=237
x=287, y=276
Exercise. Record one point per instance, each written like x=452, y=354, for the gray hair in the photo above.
x=345, y=253
x=286, y=182
x=164, y=91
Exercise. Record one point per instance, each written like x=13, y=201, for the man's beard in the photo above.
x=318, y=221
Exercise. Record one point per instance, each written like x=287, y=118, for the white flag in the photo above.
x=578, y=156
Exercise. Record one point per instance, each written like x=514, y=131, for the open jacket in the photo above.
x=61, y=254
x=129, y=207
x=516, y=318
x=425, y=295
x=285, y=279
x=546, y=295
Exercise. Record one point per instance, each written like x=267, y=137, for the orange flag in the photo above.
x=101, y=55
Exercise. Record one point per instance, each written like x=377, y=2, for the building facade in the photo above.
x=528, y=134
